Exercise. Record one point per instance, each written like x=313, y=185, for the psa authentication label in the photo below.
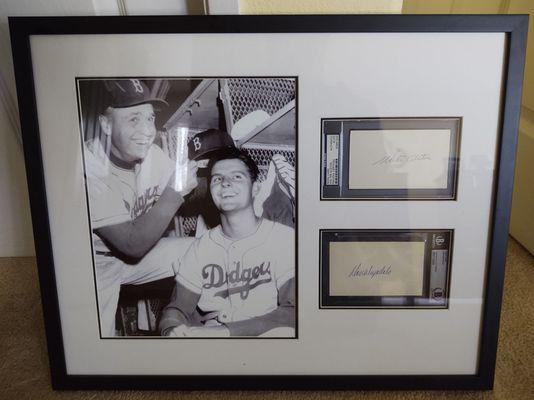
x=332, y=160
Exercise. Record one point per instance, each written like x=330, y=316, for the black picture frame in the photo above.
x=515, y=28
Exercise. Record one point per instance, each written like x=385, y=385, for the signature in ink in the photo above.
x=400, y=158
x=372, y=271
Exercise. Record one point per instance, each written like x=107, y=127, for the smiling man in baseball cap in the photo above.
x=133, y=196
x=129, y=119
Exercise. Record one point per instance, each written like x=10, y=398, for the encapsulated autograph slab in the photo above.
x=385, y=268
x=390, y=158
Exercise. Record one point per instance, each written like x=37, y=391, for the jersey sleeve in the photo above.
x=284, y=242
x=189, y=271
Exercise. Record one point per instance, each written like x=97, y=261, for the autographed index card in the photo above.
x=376, y=268
x=399, y=159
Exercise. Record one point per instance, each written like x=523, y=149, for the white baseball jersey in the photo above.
x=119, y=194
x=239, y=279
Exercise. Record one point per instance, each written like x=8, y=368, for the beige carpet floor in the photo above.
x=24, y=363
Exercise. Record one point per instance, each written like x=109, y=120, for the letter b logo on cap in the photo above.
x=137, y=85
x=197, y=143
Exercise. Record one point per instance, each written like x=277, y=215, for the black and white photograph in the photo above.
x=191, y=192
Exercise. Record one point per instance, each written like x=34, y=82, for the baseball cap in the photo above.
x=129, y=93
x=248, y=123
x=205, y=143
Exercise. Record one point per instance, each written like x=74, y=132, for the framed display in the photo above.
x=178, y=169
x=390, y=158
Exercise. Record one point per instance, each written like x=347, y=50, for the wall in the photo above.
x=319, y=6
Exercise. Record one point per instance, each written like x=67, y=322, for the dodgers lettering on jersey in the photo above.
x=143, y=202
x=238, y=280
x=240, y=277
